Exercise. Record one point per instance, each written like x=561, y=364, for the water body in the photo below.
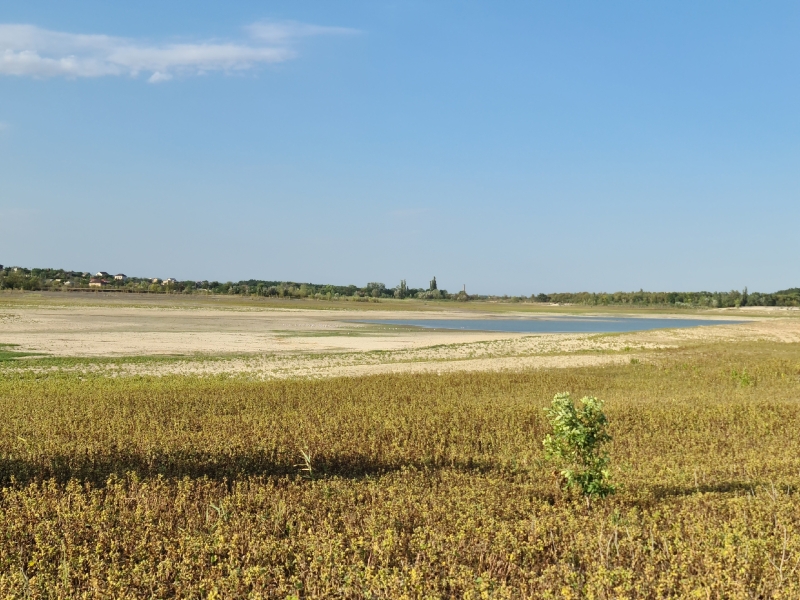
x=557, y=324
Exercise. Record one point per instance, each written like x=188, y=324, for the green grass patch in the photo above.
x=7, y=354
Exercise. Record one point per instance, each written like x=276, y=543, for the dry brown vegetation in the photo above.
x=419, y=485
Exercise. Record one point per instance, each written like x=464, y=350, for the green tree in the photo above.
x=576, y=442
x=375, y=289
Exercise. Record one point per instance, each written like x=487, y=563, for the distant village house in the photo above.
x=120, y=277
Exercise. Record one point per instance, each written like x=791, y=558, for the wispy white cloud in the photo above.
x=158, y=77
x=27, y=50
x=284, y=32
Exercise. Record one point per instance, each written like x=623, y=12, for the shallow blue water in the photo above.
x=556, y=324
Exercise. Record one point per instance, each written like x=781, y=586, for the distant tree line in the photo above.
x=19, y=278
x=290, y=289
x=734, y=298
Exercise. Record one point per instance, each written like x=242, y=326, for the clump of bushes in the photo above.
x=576, y=442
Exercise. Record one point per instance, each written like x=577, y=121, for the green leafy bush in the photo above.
x=743, y=378
x=576, y=442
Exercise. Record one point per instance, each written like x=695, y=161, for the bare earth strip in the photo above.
x=315, y=370
x=70, y=331
x=279, y=342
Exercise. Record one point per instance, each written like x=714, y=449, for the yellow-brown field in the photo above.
x=419, y=485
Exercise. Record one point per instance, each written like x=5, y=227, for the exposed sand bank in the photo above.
x=284, y=342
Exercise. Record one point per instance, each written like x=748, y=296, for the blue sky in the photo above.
x=513, y=147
